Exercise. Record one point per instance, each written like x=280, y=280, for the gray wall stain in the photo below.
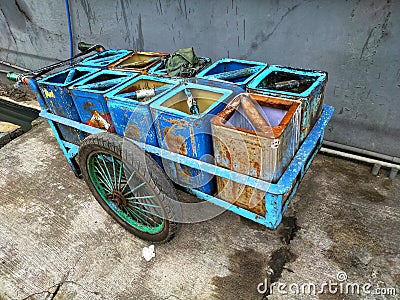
x=140, y=39
x=356, y=42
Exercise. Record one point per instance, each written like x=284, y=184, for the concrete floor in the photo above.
x=56, y=242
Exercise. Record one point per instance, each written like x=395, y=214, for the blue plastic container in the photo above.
x=190, y=135
x=132, y=117
x=104, y=58
x=54, y=89
x=88, y=96
x=229, y=64
x=159, y=68
x=310, y=92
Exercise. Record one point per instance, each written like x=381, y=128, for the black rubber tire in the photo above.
x=148, y=170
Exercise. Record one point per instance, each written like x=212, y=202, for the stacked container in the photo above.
x=138, y=61
x=104, y=58
x=54, y=89
x=88, y=96
x=235, y=71
x=181, y=132
x=301, y=85
x=241, y=147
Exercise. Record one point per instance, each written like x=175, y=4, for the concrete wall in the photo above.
x=357, y=42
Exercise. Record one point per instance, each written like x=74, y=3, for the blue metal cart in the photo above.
x=135, y=191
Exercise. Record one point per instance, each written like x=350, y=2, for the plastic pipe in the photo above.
x=71, y=43
x=362, y=151
x=13, y=66
x=376, y=162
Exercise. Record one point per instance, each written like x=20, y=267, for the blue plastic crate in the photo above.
x=105, y=58
x=54, y=89
x=190, y=135
x=228, y=65
x=311, y=94
x=132, y=118
x=88, y=96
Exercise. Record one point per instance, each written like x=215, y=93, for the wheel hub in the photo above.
x=119, y=198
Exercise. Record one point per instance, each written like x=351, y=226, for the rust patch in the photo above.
x=133, y=132
x=175, y=143
x=243, y=196
x=257, y=167
x=87, y=106
x=228, y=155
x=178, y=124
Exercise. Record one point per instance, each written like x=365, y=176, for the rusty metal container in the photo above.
x=264, y=155
x=181, y=132
x=138, y=61
x=309, y=90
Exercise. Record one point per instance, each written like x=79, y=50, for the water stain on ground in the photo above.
x=279, y=258
x=353, y=244
x=287, y=229
x=247, y=269
x=387, y=184
x=371, y=195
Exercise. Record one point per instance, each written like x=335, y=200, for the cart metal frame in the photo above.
x=278, y=195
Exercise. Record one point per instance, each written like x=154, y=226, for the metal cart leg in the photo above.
x=273, y=207
x=69, y=150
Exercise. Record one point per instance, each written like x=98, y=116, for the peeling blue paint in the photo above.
x=54, y=89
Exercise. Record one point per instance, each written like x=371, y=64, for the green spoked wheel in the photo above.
x=125, y=192
x=130, y=186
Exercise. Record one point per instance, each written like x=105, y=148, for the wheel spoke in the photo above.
x=115, y=176
x=108, y=172
x=103, y=176
x=140, y=197
x=119, y=175
x=143, y=212
x=103, y=173
x=144, y=204
x=134, y=214
x=127, y=182
x=104, y=185
x=134, y=189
